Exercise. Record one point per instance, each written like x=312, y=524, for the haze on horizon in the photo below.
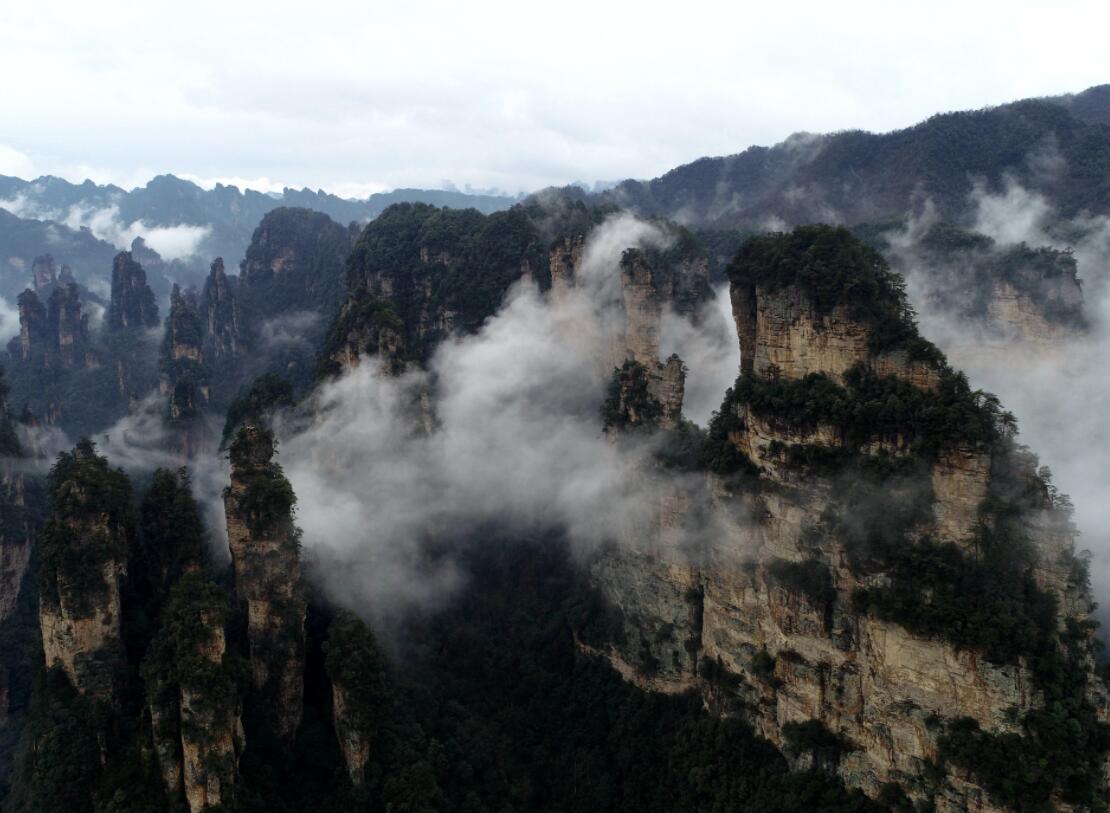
x=356, y=98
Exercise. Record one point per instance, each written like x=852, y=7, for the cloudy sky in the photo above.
x=360, y=96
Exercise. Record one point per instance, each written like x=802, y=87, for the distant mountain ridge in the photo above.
x=229, y=214
x=1058, y=147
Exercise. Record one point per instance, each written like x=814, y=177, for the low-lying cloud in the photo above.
x=1059, y=395
x=172, y=242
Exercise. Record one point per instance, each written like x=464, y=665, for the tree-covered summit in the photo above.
x=834, y=268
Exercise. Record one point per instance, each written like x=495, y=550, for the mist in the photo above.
x=1061, y=394
x=174, y=242
x=517, y=444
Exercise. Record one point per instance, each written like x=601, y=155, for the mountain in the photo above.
x=23, y=240
x=460, y=544
x=209, y=223
x=1057, y=147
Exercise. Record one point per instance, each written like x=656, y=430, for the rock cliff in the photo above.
x=183, y=375
x=57, y=337
x=265, y=556
x=84, y=562
x=194, y=705
x=132, y=304
x=221, y=315
x=875, y=575
x=354, y=667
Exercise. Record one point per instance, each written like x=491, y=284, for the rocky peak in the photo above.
x=354, y=667
x=132, y=304
x=183, y=375
x=53, y=336
x=563, y=261
x=819, y=301
x=69, y=328
x=221, y=315
x=42, y=271
x=644, y=391
x=295, y=261
x=34, y=332
x=875, y=535
x=193, y=702
x=265, y=557
x=84, y=561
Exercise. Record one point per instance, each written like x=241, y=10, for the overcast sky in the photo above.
x=363, y=96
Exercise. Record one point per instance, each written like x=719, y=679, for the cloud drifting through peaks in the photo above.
x=171, y=242
x=1059, y=396
x=517, y=444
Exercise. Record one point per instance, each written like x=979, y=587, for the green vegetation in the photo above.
x=171, y=533
x=365, y=316
x=266, y=504
x=354, y=663
x=85, y=490
x=267, y=394
x=1061, y=746
x=629, y=403
x=58, y=766
x=872, y=408
x=810, y=578
x=833, y=269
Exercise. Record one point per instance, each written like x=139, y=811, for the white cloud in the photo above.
x=172, y=242
x=487, y=93
x=517, y=444
x=14, y=162
x=9, y=321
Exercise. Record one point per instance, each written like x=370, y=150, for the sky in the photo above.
x=357, y=97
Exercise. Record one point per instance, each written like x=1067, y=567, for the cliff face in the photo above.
x=265, y=557
x=84, y=561
x=183, y=375
x=221, y=315
x=42, y=272
x=20, y=517
x=132, y=304
x=192, y=699
x=295, y=261
x=782, y=333
x=825, y=603
x=994, y=294
x=57, y=338
x=354, y=668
